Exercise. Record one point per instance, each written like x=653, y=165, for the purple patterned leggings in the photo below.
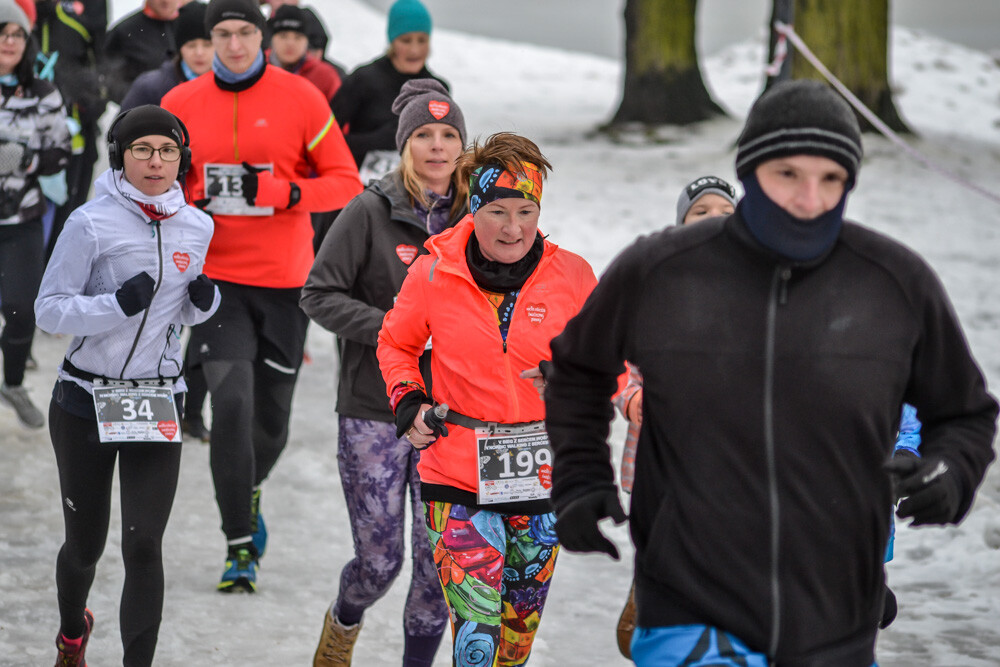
x=376, y=470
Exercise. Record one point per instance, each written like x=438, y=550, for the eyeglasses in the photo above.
x=144, y=152
x=243, y=35
x=17, y=37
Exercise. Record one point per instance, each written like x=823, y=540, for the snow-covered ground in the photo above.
x=601, y=195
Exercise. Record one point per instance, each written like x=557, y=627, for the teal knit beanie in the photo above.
x=408, y=16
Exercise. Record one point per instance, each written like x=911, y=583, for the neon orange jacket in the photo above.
x=474, y=371
x=283, y=120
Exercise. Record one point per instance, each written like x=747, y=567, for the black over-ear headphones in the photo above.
x=116, y=152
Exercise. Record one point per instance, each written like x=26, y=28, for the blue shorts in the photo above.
x=692, y=646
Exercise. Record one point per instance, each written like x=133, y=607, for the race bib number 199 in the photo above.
x=224, y=186
x=515, y=463
x=126, y=413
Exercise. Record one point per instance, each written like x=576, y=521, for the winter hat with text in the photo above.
x=698, y=188
x=423, y=101
x=190, y=23
x=288, y=17
x=241, y=10
x=10, y=12
x=408, y=16
x=800, y=117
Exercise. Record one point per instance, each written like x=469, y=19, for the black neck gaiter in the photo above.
x=780, y=231
x=496, y=276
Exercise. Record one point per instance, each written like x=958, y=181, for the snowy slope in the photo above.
x=601, y=195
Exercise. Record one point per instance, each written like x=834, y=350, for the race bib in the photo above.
x=515, y=463
x=377, y=164
x=146, y=413
x=224, y=186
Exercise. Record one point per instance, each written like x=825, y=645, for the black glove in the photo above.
x=576, y=525
x=900, y=454
x=201, y=291
x=930, y=488
x=136, y=293
x=407, y=408
x=889, y=609
x=249, y=182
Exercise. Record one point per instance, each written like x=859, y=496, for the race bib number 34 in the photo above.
x=224, y=185
x=515, y=463
x=136, y=414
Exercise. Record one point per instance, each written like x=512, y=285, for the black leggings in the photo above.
x=148, y=479
x=249, y=432
x=21, y=264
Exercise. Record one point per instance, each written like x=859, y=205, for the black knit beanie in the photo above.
x=146, y=120
x=241, y=10
x=288, y=17
x=423, y=101
x=190, y=23
x=799, y=117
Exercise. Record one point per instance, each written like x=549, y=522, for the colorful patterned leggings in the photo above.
x=495, y=570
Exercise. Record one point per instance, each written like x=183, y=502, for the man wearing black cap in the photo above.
x=777, y=347
x=193, y=58
x=267, y=153
x=290, y=50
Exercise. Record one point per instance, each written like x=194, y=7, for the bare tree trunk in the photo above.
x=850, y=37
x=663, y=82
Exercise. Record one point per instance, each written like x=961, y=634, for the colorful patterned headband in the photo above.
x=491, y=182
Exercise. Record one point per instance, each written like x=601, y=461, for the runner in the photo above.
x=491, y=295
x=125, y=276
x=34, y=142
x=254, y=154
x=357, y=275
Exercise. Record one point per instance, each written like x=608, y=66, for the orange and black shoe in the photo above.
x=71, y=651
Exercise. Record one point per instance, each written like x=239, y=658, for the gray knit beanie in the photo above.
x=700, y=187
x=423, y=101
x=11, y=13
x=800, y=117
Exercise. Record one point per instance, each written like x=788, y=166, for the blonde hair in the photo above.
x=417, y=189
x=506, y=148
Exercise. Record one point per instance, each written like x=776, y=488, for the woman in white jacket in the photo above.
x=124, y=277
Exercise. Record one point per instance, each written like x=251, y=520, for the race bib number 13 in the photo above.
x=224, y=186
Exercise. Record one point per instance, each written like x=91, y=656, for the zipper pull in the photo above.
x=786, y=275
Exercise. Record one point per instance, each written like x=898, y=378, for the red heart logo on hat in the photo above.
x=167, y=428
x=438, y=108
x=406, y=252
x=182, y=260
x=536, y=312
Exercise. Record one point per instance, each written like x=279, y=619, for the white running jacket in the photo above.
x=104, y=243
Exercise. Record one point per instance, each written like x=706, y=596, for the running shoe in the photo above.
x=241, y=570
x=71, y=650
x=17, y=398
x=257, y=526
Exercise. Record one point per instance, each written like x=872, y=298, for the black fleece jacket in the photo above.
x=772, y=394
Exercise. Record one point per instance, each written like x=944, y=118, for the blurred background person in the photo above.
x=138, y=43
x=290, y=50
x=193, y=58
x=34, y=141
x=363, y=105
x=353, y=283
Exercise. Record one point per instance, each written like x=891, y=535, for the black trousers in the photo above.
x=250, y=351
x=21, y=266
x=148, y=479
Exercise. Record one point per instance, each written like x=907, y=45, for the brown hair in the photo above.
x=504, y=148
x=418, y=192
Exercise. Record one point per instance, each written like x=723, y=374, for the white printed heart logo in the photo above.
x=536, y=312
x=438, y=109
x=406, y=253
x=182, y=260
